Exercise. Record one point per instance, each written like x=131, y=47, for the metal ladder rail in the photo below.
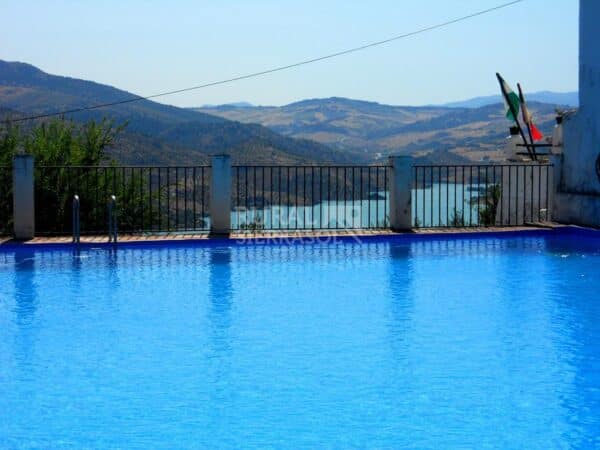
x=76, y=220
x=112, y=219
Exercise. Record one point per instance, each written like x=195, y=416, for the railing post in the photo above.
x=220, y=195
x=23, y=197
x=401, y=193
x=555, y=183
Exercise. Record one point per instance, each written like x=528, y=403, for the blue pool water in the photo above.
x=479, y=342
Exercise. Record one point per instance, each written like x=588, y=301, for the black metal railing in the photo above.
x=6, y=200
x=480, y=195
x=310, y=197
x=291, y=197
x=149, y=199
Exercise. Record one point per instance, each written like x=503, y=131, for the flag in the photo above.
x=536, y=134
x=511, y=100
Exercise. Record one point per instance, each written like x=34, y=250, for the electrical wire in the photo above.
x=273, y=70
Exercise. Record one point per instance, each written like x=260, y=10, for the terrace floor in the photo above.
x=147, y=237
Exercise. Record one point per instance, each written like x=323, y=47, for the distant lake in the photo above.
x=439, y=203
x=434, y=205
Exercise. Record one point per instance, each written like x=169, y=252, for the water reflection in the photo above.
x=26, y=305
x=400, y=279
x=220, y=296
x=26, y=297
x=75, y=272
x=112, y=262
x=220, y=369
x=401, y=307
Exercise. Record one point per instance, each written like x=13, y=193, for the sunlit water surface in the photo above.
x=422, y=343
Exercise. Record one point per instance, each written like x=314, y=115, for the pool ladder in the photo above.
x=112, y=219
x=76, y=221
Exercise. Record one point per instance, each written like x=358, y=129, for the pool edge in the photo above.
x=306, y=238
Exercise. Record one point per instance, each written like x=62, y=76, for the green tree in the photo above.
x=66, y=156
x=9, y=139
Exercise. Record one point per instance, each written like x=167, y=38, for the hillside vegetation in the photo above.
x=155, y=133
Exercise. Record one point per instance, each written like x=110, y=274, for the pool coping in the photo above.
x=329, y=236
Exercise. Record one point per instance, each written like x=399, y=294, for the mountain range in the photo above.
x=553, y=98
x=336, y=130
x=155, y=133
x=374, y=131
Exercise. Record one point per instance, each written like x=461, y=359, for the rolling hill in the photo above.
x=570, y=99
x=156, y=133
x=336, y=130
x=373, y=131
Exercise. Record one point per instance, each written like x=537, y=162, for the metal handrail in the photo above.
x=310, y=197
x=112, y=219
x=451, y=196
x=76, y=220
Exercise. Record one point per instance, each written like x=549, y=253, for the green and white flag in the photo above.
x=510, y=99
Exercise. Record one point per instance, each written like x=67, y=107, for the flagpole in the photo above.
x=515, y=115
x=523, y=107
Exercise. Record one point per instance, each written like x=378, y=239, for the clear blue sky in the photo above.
x=151, y=46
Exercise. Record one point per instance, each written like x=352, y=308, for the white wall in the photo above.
x=582, y=129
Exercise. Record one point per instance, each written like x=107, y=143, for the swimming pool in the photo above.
x=428, y=342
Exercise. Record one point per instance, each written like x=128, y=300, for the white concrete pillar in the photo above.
x=23, y=197
x=400, y=192
x=511, y=149
x=557, y=137
x=220, y=195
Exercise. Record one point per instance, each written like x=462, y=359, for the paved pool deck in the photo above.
x=158, y=237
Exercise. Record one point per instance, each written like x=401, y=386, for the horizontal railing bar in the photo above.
x=208, y=167
x=308, y=166
x=103, y=232
x=289, y=166
x=429, y=166
x=382, y=227
x=122, y=167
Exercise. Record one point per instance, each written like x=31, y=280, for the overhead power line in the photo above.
x=276, y=69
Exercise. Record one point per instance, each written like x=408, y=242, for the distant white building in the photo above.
x=578, y=197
